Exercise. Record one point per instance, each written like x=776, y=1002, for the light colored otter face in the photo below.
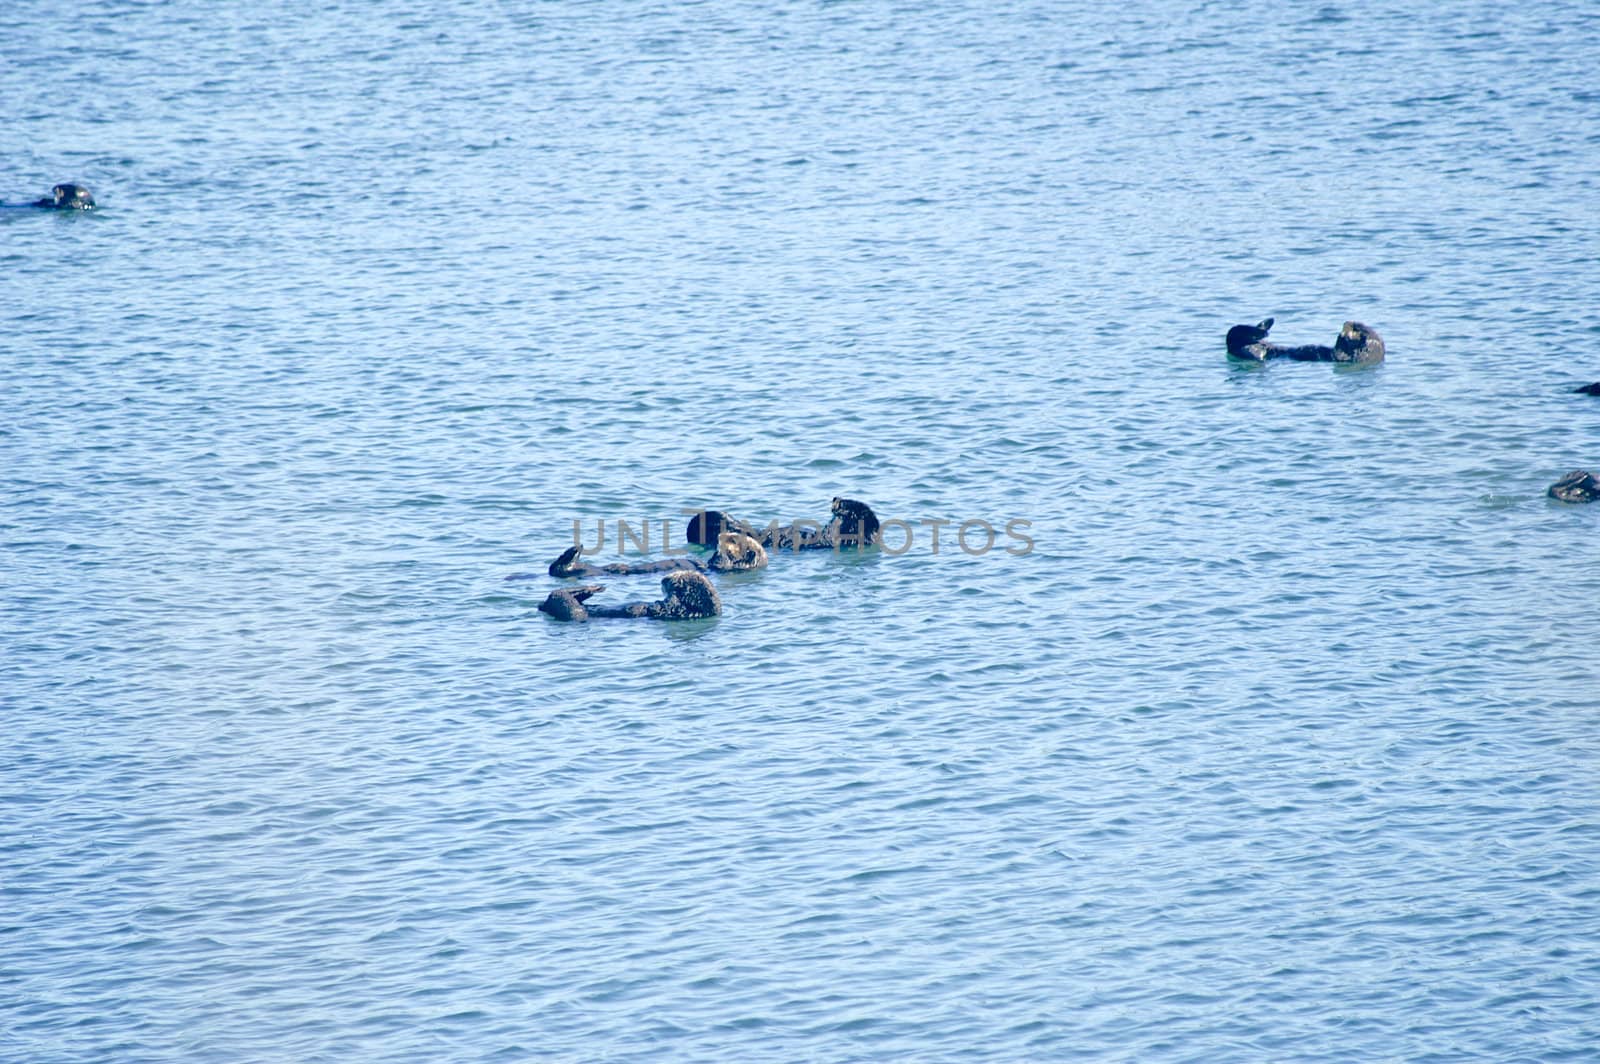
x=737, y=552
x=689, y=594
x=1358, y=343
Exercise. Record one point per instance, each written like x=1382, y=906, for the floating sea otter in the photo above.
x=853, y=525
x=1357, y=344
x=64, y=197
x=1577, y=486
x=736, y=552
x=689, y=596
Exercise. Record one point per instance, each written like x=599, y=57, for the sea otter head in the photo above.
x=1577, y=486
x=857, y=523
x=71, y=197
x=1241, y=337
x=688, y=595
x=1358, y=343
x=737, y=552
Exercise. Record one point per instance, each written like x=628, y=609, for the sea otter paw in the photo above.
x=566, y=564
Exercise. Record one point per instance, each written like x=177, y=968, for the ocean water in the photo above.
x=1279, y=744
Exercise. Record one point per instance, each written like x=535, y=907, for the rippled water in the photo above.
x=1280, y=744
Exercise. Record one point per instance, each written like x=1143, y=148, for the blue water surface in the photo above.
x=1279, y=744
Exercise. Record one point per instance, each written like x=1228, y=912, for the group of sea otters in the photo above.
x=735, y=546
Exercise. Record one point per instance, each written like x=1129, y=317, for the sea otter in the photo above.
x=736, y=552
x=1577, y=486
x=688, y=596
x=1589, y=389
x=853, y=524
x=1357, y=344
x=67, y=197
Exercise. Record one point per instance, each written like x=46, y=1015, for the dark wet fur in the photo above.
x=687, y=596
x=68, y=197
x=1303, y=353
x=707, y=526
x=1577, y=486
x=1245, y=341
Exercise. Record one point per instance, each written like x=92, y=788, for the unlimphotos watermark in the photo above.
x=974, y=536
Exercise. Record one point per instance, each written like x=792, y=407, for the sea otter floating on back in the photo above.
x=688, y=596
x=735, y=553
x=1357, y=344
